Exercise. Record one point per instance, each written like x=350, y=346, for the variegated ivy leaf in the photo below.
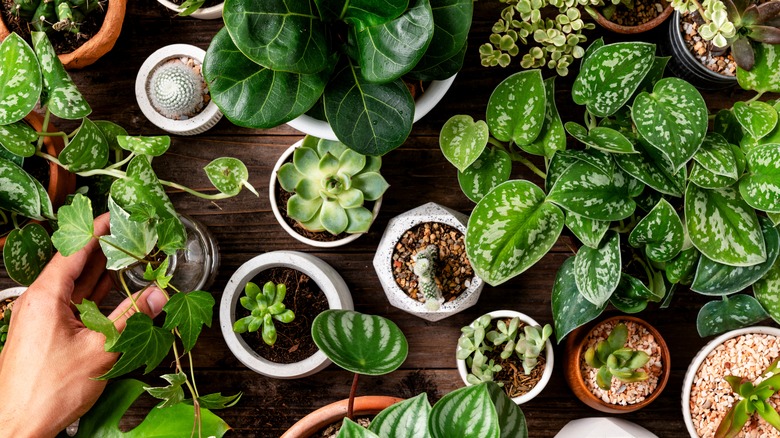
x=152, y=146
x=171, y=235
x=462, y=140
x=510, y=229
x=75, y=226
x=716, y=155
x=723, y=226
x=129, y=241
x=632, y=296
x=661, y=232
x=713, y=278
x=652, y=169
x=60, y=95
x=761, y=186
x=757, y=118
x=569, y=308
x=610, y=75
x=731, y=313
x=602, y=138
x=228, y=175
x=765, y=74
x=20, y=79
x=26, y=252
x=517, y=106
x=597, y=270
x=87, y=150
x=17, y=138
x=18, y=192
x=406, y=419
x=681, y=269
x=467, y=413
x=590, y=192
x=767, y=291
x=553, y=137
x=490, y=170
x=673, y=119
x=141, y=186
x=589, y=231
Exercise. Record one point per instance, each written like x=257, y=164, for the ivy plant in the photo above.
x=344, y=61
x=655, y=197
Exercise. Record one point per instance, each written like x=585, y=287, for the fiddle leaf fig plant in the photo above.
x=345, y=59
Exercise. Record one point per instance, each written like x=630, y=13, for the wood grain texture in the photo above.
x=417, y=173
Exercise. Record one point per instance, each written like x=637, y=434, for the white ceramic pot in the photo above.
x=383, y=262
x=422, y=106
x=328, y=280
x=278, y=214
x=210, y=13
x=603, y=427
x=548, y=355
x=699, y=359
x=12, y=292
x=205, y=120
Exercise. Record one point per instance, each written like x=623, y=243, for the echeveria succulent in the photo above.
x=266, y=306
x=614, y=360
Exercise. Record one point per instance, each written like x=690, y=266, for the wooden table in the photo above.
x=417, y=173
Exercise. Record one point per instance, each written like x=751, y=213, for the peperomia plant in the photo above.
x=655, y=198
x=266, y=306
x=345, y=59
x=753, y=398
x=613, y=359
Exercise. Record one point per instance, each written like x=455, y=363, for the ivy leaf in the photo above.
x=731, y=313
x=757, y=118
x=406, y=419
x=20, y=79
x=60, y=95
x=93, y=319
x=228, y=175
x=141, y=343
x=26, y=253
x=490, y=170
x=552, y=138
x=660, y=231
x=569, y=308
x=766, y=291
x=763, y=76
x=462, y=140
x=76, y=226
x=760, y=188
x=171, y=235
x=18, y=192
x=218, y=401
x=17, y=138
x=172, y=394
x=129, y=241
x=189, y=311
x=158, y=275
x=152, y=146
x=597, y=270
x=516, y=109
x=589, y=231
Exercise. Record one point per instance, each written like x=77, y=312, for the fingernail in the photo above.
x=156, y=300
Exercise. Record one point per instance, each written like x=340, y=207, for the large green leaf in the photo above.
x=632, y=296
x=253, y=96
x=362, y=344
x=60, y=95
x=189, y=312
x=75, y=226
x=281, y=35
x=229, y=175
x=723, y=226
x=491, y=169
x=462, y=140
x=444, y=57
x=717, y=156
x=761, y=186
x=765, y=74
x=141, y=343
x=597, y=270
x=610, y=74
x=673, y=118
x=767, y=291
x=26, y=252
x=589, y=231
x=152, y=146
x=511, y=420
x=602, y=138
x=18, y=192
x=517, y=106
x=93, y=319
x=465, y=413
x=552, y=138
x=591, y=192
x=660, y=231
x=17, y=138
x=20, y=79
x=406, y=419
x=757, y=118
x=706, y=179
x=649, y=167
x=361, y=13
x=510, y=229
x=87, y=150
x=372, y=119
x=681, y=269
x=569, y=308
x=731, y=313
x=713, y=278
x=129, y=241
x=390, y=50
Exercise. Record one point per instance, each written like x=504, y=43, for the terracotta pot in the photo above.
x=97, y=46
x=575, y=348
x=628, y=30
x=335, y=412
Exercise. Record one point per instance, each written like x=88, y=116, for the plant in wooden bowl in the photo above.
x=630, y=16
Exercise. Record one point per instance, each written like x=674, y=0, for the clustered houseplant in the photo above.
x=195, y=8
x=655, y=198
x=345, y=61
x=506, y=347
x=326, y=187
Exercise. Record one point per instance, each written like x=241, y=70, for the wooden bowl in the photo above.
x=575, y=348
x=335, y=412
x=629, y=30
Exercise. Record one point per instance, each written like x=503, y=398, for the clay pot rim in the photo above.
x=630, y=30
x=328, y=414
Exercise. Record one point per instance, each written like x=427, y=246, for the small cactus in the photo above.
x=612, y=359
x=176, y=89
x=265, y=305
x=425, y=269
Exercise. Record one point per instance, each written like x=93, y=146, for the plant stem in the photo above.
x=44, y=127
x=755, y=98
x=193, y=192
x=702, y=12
x=352, y=392
x=195, y=403
x=55, y=134
x=121, y=163
x=3, y=217
x=192, y=373
x=127, y=292
x=108, y=172
x=521, y=159
x=496, y=143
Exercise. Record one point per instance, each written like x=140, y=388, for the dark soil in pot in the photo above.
x=306, y=300
x=643, y=12
x=515, y=381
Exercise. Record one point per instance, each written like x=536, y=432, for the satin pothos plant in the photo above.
x=655, y=198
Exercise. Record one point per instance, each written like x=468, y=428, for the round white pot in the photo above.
x=12, y=292
x=383, y=262
x=548, y=354
x=422, y=106
x=278, y=214
x=210, y=13
x=202, y=122
x=328, y=280
x=699, y=359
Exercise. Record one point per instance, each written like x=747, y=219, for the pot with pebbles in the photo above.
x=7, y=298
x=422, y=264
x=727, y=373
x=618, y=365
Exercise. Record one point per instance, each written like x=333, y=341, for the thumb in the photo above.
x=149, y=301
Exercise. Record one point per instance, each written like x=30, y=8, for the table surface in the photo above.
x=417, y=173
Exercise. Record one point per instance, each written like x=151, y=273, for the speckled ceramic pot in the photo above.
x=383, y=262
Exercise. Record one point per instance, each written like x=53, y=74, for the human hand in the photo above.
x=50, y=358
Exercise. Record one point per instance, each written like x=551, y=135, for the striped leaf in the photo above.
x=673, y=118
x=20, y=79
x=510, y=229
x=511, y=420
x=660, y=231
x=597, y=270
x=589, y=231
x=681, y=269
x=765, y=74
x=517, y=106
x=761, y=186
x=610, y=75
x=723, y=226
x=757, y=118
x=570, y=309
x=591, y=192
x=731, y=313
x=362, y=344
x=491, y=169
x=60, y=94
x=406, y=419
x=713, y=278
x=350, y=429
x=26, y=253
x=462, y=140
x=18, y=192
x=767, y=291
x=717, y=156
x=553, y=137
x=465, y=413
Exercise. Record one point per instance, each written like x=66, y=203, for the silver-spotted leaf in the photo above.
x=87, y=150
x=632, y=296
x=602, y=138
x=17, y=138
x=597, y=270
x=466, y=413
x=765, y=74
x=60, y=95
x=75, y=226
x=767, y=291
x=660, y=231
x=141, y=186
x=569, y=308
x=681, y=269
x=591, y=192
x=26, y=252
x=517, y=106
x=20, y=79
x=152, y=146
x=717, y=156
x=757, y=118
x=228, y=175
x=129, y=241
x=589, y=231
x=490, y=170
x=18, y=192
x=648, y=166
x=760, y=188
x=731, y=313
x=406, y=419
x=706, y=179
x=462, y=140
x=553, y=137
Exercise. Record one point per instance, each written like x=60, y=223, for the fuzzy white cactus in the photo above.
x=176, y=89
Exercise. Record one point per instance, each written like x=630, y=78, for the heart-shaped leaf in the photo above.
x=406, y=419
x=189, y=312
x=511, y=420
x=707, y=179
x=362, y=344
x=75, y=226
x=462, y=140
x=444, y=57
x=20, y=79
x=467, y=413
x=17, y=138
x=757, y=118
x=60, y=95
x=591, y=192
x=760, y=188
x=717, y=156
x=597, y=270
x=673, y=118
x=592, y=47
x=26, y=253
x=517, y=106
x=228, y=175
x=490, y=170
x=553, y=137
x=18, y=192
x=655, y=74
x=602, y=138
x=649, y=167
x=681, y=269
x=129, y=241
x=111, y=131
x=589, y=231
x=766, y=289
x=559, y=163
x=731, y=313
x=87, y=150
x=152, y=146
x=723, y=226
x=141, y=343
x=632, y=296
x=510, y=229
x=141, y=186
x=569, y=308
x=661, y=232
x=765, y=74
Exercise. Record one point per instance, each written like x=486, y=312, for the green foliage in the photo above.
x=753, y=398
x=265, y=307
x=613, y=359
x=52, y=17
x=5, y=322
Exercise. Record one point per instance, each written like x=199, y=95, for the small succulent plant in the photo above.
x=753, y=398
x=176, y=89
x=425, y=269
x=530, y=346
x=331, y=182
x=266, y=306
x=5, y=321
x=613, y=359
x=59, y=16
